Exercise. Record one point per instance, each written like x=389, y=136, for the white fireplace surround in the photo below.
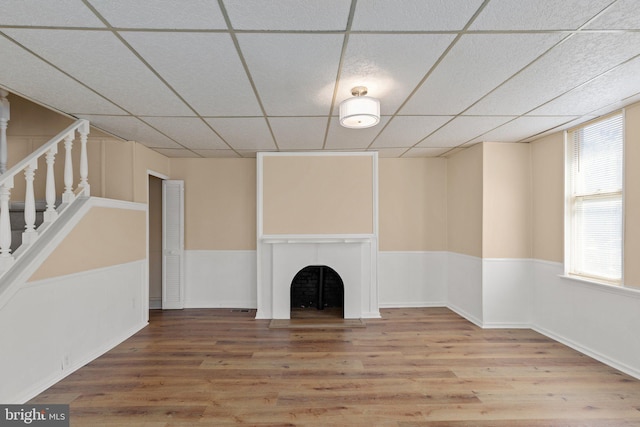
x=354, y=259
x=353, y=256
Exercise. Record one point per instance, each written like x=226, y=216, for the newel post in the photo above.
x=68, y=195
x=5, y=115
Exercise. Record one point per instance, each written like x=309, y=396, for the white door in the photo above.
x=172, y=244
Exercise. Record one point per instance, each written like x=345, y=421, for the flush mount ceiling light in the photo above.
x=360, y=111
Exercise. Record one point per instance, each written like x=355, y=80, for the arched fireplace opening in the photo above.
x=317, y=291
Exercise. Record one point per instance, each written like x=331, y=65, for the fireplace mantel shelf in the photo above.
x=288, y=239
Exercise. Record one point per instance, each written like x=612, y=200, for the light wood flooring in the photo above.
x=413, y=367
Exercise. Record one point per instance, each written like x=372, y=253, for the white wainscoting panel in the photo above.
x=53, y=327
x=412, y=279
x=598, y=320
x=507, y=293
x=464, y=286
x=220, y=279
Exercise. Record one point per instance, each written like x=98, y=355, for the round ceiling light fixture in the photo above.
x=360, y=111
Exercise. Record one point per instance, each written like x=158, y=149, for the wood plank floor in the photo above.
x=413, y=367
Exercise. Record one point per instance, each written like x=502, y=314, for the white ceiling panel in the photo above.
x=294, y=73
x=579, y=59
x=425, y=152
x=538, y=14
x=605, y=90
x=463, y=129
x=476, y=64
x=170, y=14
x=176, y=153
x=622, y=15
x=406, y=131
x=131, y=129
x=190, y=132
x=308, y=15
x=217, y=153
x=59, y=13
x=183, y=58
x=299, y=133
x=390, y=152
x=341, y=138
x=114, y=73
x=26, y=74
x=413, y=15
x=247, y=133
x=390, y=66
x=522, y=128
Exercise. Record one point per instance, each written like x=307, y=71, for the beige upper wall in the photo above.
x=309, y=194
x=220, y=202
x=506, y=206
x=464, y=201
x=547, y=164
x=103, y=237
x=412, y=204
x=632, y=197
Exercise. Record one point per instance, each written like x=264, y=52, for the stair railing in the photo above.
x=29, y=165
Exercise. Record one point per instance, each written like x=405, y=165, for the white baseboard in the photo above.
x=465, y=314
x=155, y=303
x=413, y=304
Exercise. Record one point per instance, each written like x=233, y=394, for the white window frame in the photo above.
x=570, y=238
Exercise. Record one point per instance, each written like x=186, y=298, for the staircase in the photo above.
x=23, y=223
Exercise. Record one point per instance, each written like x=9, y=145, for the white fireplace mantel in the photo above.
x=353, y=256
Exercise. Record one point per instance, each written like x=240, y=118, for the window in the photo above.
x=594, y=200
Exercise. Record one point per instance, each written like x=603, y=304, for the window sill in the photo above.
x=602, y=286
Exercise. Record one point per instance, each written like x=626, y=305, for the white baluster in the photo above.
x=84, y=163
x=4, y=119
x=5, y=225
x=68, y=196
x=50, y=190
x=29, y=235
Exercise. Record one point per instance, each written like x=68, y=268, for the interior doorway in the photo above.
x=155, y=242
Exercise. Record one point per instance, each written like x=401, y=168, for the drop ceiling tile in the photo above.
x=462, y=129
x=294, y=73
x=131, y=129
x=622, y=15
x=406, y=131
x=579, y=59
x=247, y=133
x=190, y=132
x=225, y=91
x=299, y=133
x=33, y=78
x=537, y=15
x=476, y=65
x=616, y=105
x=607, y=89
x=426, y=152
x=413, y=15
x=522, y=128
x=307, y=15
x=176, y=153
x=194, y=14
x=390, y=152
x=217, y=153
x=389, y=65
x=59, y=13
x=344, y=138
x=130, y=84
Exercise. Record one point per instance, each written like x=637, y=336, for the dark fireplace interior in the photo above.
x=317, y=291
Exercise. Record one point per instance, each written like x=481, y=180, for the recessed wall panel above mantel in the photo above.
x=318, y=194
